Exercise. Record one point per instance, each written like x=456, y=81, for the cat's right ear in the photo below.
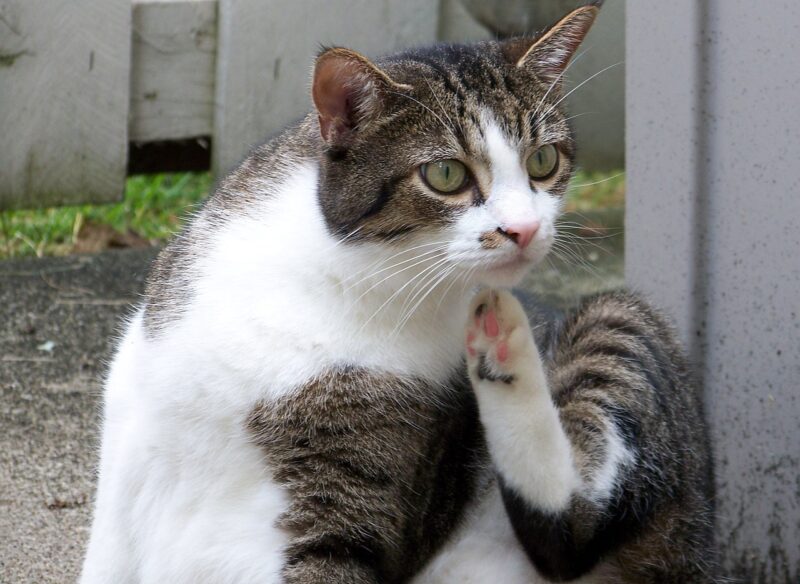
x=349, y=92
x=549, y=54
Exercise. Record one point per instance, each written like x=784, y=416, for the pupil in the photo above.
x=446, y=172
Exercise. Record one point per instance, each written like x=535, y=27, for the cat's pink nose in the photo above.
x=521, y=233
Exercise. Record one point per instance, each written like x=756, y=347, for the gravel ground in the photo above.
x=58, y=319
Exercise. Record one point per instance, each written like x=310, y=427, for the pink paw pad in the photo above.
x=502, y=351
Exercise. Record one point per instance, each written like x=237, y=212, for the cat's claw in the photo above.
x=498, y=337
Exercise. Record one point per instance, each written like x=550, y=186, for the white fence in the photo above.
x=81, y=80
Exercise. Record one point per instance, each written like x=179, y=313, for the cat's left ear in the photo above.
x=349, y=92
x=549, y=54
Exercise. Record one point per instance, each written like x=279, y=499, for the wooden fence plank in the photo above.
x=266, y=49
x=172, y=75
x=64, y=78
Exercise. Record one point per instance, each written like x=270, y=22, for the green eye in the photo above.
x=542, y=163
x=445, y=176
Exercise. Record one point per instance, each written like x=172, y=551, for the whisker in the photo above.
x=557, y=80
x=578, y=225
x=612, y=177
x=340, y=241
x=570, y=118
x=573, y=258
x=441, y=107
x=435, y=281
x=404, y=251
x=588, y=221
x=388, y=300
x=590, y=239
x=470, y=272
x=436, y=250
x=574, y=89
x=569, y=232
x=375, y=285
x=405, y=314
x=446, y=290
x=421, y=284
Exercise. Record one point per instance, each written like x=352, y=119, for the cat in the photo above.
x=312, y=392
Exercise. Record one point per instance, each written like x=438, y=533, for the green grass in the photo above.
x=596, y=190
x=153, y=208
x=155, y=205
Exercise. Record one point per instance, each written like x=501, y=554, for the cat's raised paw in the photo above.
x=498, y=337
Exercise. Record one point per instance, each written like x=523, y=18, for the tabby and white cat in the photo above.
x=291, y=402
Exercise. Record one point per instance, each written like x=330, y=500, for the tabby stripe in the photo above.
x=628, y=427
x=384, y=196
x=332, y=545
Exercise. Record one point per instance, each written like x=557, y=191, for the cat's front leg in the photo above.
x=531, y=452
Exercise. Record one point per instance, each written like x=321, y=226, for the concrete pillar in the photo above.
x=713, y=235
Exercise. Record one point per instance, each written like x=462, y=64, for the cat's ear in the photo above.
x=349, y=92
x=549, y=54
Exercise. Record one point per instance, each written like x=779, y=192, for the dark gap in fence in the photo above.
x=191, y=154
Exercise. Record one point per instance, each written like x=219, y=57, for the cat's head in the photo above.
x=462, y=153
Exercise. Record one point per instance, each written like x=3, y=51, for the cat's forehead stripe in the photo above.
x=470, y=80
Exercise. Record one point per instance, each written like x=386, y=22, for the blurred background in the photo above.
x=116, y=116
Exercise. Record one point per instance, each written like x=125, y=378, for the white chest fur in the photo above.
x=278, y=300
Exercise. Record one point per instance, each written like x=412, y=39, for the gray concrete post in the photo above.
x=713, y=235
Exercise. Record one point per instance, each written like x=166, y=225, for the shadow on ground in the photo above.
x=59, y=318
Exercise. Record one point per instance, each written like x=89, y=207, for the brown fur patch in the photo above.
x=492, y=240
x=379, y=470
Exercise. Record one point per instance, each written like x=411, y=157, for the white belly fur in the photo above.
x=484, y=549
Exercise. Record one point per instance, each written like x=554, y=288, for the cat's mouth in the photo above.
x=513, y=266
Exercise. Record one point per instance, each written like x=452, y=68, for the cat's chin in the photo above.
x=506, y=274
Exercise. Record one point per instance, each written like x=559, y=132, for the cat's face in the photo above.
x=459, y=154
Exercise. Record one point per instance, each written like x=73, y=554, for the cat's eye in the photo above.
x=542, y=163
x=445, y=176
